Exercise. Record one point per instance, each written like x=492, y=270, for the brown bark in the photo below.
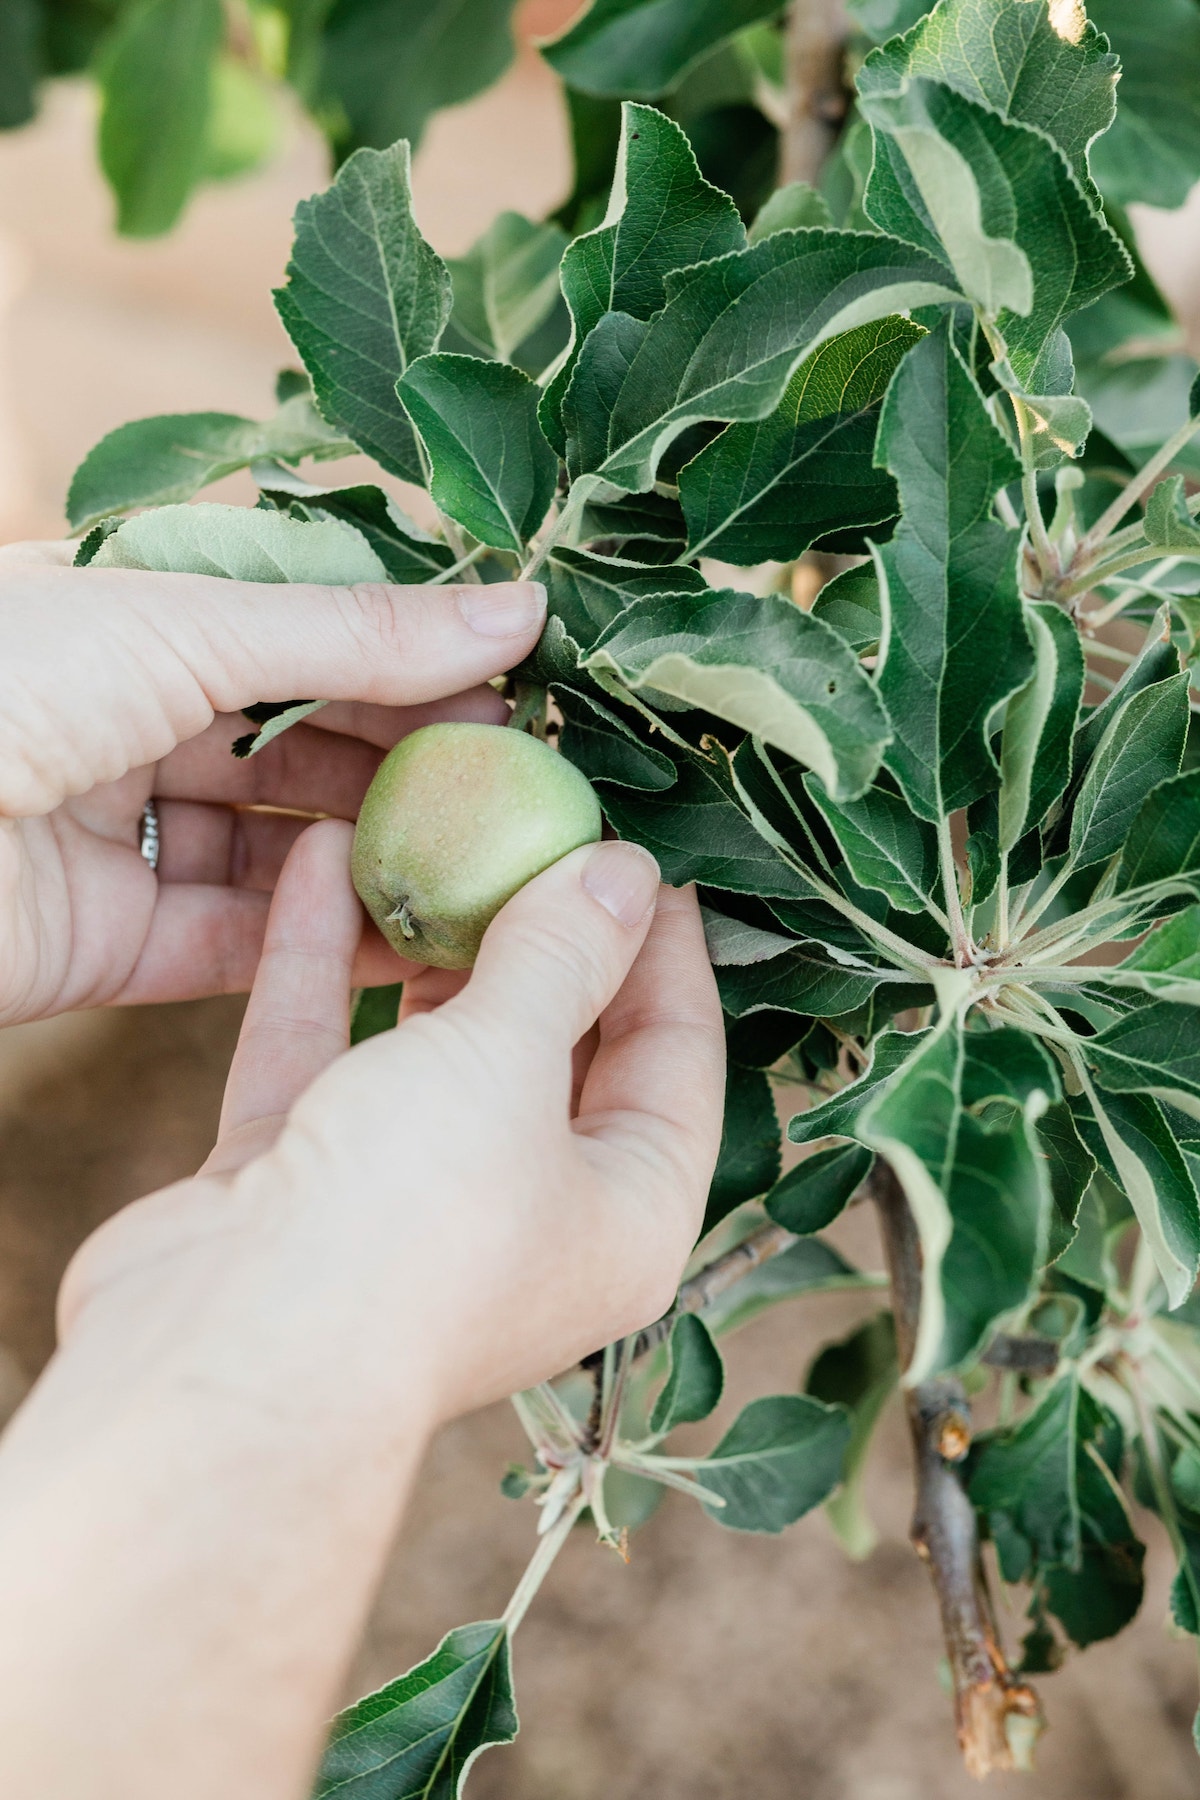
x=722, y=1273
x=816, y=97
x=998, y=1715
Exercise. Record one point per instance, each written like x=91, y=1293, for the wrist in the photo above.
x=248, y=1291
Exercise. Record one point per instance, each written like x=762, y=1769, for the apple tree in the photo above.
x=864, y=508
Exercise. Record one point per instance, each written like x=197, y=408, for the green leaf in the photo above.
x=646, y=528
x=1030, y=1474
x=882, y=19
x=727, y=342
x=506, y=286
x=155, y=462
x=491, y=468
x=814, y=1193
x=365, y=297
x=810, y=1266
x=697, y=832
x=1039, y=724
x=416, y=1738
x=1021, y=230
x=406, y=552
x=272, y=722
x=923, y=188
x=1056, y=1513
x=245, y=124
x=1142, y=746
x=1168, y=523
x=241, y=542
x=1164, y=839
x=1152, y=152
x=156, y=76
x=1013, y=59
x=1006, y=1065
x=1103, y=1597
x=20, y=61
x=697, y=1377
x=781, y=1457
x=885, y=846
x=979, y=1193
x=662, y=215
x=606, y=747
x=645, y=47
x=375, y=1009
x=838, y=1117
x=860, y=1373
x=734, y=942
x=748, y=1160
x=793, y=207
x=385, y=65
x=766, y=491
x=956, y=644
x=1156, y=660
x=1152, y=1171
x=588, y=592
x=1167, y=961
x=850, y=603
x=761, y=664
x=1153, y=1050
x=1070, y=1166
x=804, y=980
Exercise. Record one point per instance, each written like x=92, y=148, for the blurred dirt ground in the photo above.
x=715, y=1665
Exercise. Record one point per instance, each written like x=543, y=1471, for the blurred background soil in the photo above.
x=715, y=1665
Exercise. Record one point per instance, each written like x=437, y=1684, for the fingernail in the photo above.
x=624, y=879
x=510, y=609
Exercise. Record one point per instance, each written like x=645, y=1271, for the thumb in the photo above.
x=558, y=952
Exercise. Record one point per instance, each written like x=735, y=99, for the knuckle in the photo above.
x=370, y=611
x=573, y=961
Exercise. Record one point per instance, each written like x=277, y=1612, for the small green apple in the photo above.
x=458, y=818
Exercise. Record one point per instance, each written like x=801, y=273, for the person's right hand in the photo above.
x=118, y=686
x=468, y=1203
x=197, y=1499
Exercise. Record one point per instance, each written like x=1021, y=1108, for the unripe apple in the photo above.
x=458, y=818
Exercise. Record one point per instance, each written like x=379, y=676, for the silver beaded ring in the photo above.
x=149, y=840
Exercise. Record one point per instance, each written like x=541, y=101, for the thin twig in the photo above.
x=1047, y=556
x=456, y=568
x=719, y=1275
x=1133, y=490
x=540, y=1564
x=998, y=1716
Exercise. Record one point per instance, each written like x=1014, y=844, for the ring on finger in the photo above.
x=149, y=840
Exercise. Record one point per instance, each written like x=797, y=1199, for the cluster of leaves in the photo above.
x=190, y=88
x=945, y=822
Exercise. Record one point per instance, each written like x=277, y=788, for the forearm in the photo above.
x=191, y=1529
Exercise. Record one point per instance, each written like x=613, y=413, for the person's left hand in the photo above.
x=118, y=686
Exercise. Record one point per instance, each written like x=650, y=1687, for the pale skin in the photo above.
x=196, y=1501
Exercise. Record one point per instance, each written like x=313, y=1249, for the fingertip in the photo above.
x=624, y=878
x=503, y=609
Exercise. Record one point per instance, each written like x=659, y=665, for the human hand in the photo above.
x=117, y=685
x=252, y=1361
x=471, y=1202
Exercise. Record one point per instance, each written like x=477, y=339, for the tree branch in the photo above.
x=722, y=1273
x=998, y=1716
x=816, y=35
